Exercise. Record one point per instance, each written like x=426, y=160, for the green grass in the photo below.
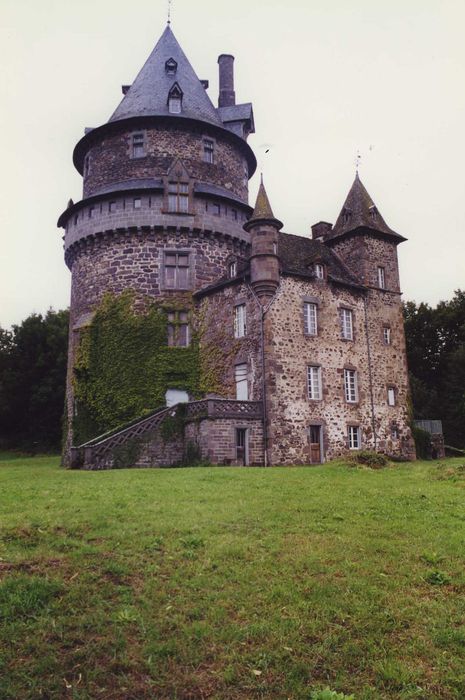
x=232, y=583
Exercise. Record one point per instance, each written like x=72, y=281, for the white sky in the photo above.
x=326, y=78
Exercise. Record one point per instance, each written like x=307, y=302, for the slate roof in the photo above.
x=359, y=211
x=237, y=113
x=148, y=95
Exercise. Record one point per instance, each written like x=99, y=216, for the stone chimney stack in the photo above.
x=321, y=230
x=227, y=96
x=264, y=258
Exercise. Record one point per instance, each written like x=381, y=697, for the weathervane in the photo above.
x=357, y=161
x=169, y=11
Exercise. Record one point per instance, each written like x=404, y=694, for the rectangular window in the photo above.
x=241, y=445
x=174, y=105
x=350, y=385
x=381, y=278
x=112, y=206
x=178, y=329
x=178, y=197
x=391, y=396
x=138, y=145
x=87, y=165
x=314, y=382
x=76, y=218
x=216, y=209
x=234, y=214
x=91, y=212
x=137, y=203
x=319, y=271
x=239, y=321
x=353, y=437
x=387, y=335
x=310, y=319
x=347, y=329
x=176, y=269
x=232, y=269
x=394, y=432
x=242, y=388
x=208, y=146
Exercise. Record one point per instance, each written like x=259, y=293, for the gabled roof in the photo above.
x=148, y=95
x=359, y=211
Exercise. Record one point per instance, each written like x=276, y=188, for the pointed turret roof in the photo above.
x=148, y=95
x=359, y=211
x=262, y=210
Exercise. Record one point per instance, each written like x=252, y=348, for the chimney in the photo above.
x=321, y=230
x=227, y=97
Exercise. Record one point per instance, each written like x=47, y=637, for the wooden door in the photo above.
x=315, y=444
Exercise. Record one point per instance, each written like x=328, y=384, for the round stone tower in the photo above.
x=165, y=191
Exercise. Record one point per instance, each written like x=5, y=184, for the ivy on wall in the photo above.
x=124, y=366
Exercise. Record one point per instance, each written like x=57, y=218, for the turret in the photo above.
x=264, y=259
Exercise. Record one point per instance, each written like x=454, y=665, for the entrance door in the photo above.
x=315, y=444
x=241, y=446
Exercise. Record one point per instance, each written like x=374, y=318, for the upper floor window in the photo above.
x=310, y=319
x=216, y=209
x=178, y=329
x=178, y=197
x=87, y=165
x=208, y=147
x=353, y=437
x=314, y=382
x=347, y=328
x=373, y=213
x=346, y=216
x=350, y=385
x=138, y=145
x=234, y=214
x=91, y=212
x=176, y=270
x=175, y=100
x=112, y=206
x=232, y=269
x=387, y=335
x=137, y=203
x=242, y=385
x=319, y=271
x=239, y=321
x=381, y=277
x=171, y=66
x=391, y=396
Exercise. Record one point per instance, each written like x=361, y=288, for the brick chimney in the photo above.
x=227, y=96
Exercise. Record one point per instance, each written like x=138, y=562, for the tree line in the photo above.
x=33, y=358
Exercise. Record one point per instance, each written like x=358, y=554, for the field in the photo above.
x=232, y=583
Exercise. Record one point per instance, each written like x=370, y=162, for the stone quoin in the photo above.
x=305, y=334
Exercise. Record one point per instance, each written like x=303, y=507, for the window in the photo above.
x=176, y=270
x=347, y=215
x=138, y=145
x=76, y=219
x=137, y=203
x=353, y=437
x=373, y=213
x=310, y=319
x=319, y=271
x=208, y=146
x=232, y=269
x=178, y=197
x=391, y=396
x=314, y=382
x=386, y=335
x=112, y=206
x=394, y=432
x=242, y=388
x=175, y=99
x=381, y=278
x=87, y=165
x=239, y=321
x=347, y=330
x=350, y=385
x=178, y=329
x=171, y=66
x=91, y=212
x=241, y=445
x=234, y=214
x=216, y=209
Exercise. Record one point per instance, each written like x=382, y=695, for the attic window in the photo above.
x=171, y=66
x=175, y=99
x=346, y=216
x=319, y=270
x=373, y=213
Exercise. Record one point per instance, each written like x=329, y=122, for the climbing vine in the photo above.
x=124, y=366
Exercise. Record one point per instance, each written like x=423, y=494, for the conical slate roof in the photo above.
x=148, y=95
x=359, y=211
x=262, y=210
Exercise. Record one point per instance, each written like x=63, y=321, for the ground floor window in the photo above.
x=353, y=434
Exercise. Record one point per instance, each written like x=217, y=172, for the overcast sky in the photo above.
x=327, y=78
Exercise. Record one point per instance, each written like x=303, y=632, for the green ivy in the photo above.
x=124, y=366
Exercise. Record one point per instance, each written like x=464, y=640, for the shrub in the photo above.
x=422, y=442
x=328, y=694
x=367, y=458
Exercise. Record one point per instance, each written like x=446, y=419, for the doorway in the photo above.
x=242, y=446
x=316, y=444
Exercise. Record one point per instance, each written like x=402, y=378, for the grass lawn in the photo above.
x=231, y=583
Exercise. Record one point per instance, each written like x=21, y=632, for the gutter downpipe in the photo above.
x=370, y=373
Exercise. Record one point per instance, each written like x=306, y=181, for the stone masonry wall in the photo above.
x=217, y=440
x=111, y=161
x=363, y=253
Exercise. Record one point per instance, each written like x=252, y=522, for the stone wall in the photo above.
x=362, y=253
x=216, y=440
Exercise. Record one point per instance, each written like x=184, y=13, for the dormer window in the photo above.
x=346, y=215
x=319, y=271
x=171, y=66
x=373, y=213
x=175, y=100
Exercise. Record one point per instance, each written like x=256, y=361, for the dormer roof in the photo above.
x=360, y=212
x=148, y=95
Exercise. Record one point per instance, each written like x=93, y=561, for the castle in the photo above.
x=299, y=341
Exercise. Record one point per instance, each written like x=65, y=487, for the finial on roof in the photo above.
x=261, y=178
x=169, y=12
x=358, y=159
x=263, y=210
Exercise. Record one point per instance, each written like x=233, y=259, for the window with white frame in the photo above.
x=138, y=145
x=353, y=437
x=175, y=100
x=239, y=321
x=314, y=382
x=208, y=149
x=319, y=271
x=350, y=385
x=242, y=387
x=347, y=326
x=381, y=277
x=176, y=270
x=178, y=197
x=391, y=396
x=232, y=269
x=137, y=203
x=178, y=329
x=310, y=318
x=387, y=335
